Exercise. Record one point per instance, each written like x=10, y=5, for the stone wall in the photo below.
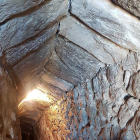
x=98, y=53
x=101, y=108
x=9, y=121
x=85, y=55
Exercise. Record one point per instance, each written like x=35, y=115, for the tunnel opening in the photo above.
x=27, y=136
x=30, y=112
x=27, y=130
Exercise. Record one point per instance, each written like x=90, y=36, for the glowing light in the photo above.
x=36, y=95
x=55, y=107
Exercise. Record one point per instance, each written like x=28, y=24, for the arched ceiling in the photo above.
x=53, y=45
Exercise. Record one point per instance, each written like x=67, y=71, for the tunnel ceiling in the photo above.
x=53, y=45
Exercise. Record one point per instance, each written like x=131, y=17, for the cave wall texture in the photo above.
x=100, y=108
x=84, y=55
x=9, y=121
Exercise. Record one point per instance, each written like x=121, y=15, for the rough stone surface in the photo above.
x=131, y=63
x=81, y=112
x=59, y=69
x=84, y=54
x=29, y=113
x=9, y=8
x=108, y=20
x=134, y=88
x=52, y=122
x=133, y=6
x=28, y=71
x=9, y=121
x=77, y=59
x=51, y=89
x=57, y=82
x=16, y=54
x=104, y=50
x=21, y=28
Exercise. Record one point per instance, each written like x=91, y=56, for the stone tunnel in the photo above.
x=69, y=70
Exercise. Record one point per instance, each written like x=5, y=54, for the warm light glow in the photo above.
x=36, y=95
x=55, y=107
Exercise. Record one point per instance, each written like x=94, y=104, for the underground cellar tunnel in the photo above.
x=69, y=70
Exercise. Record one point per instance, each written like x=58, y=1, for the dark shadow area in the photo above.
x=27, y=131
x=27, y=136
